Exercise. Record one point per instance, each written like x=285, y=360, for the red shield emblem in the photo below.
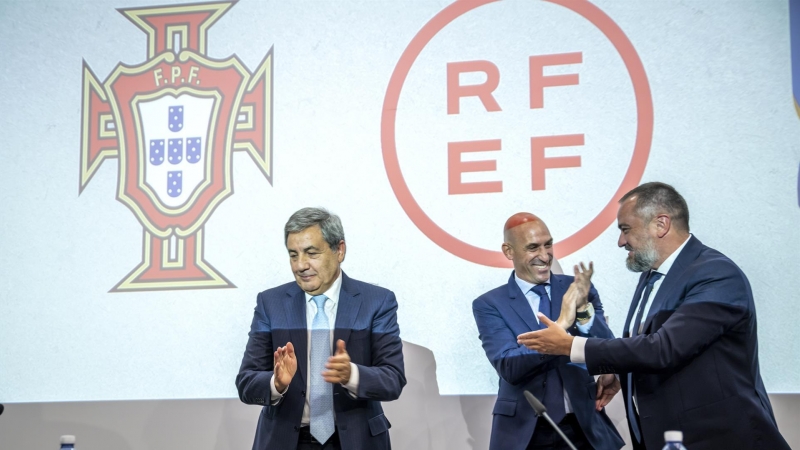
x=174, y=122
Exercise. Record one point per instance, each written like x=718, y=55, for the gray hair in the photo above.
x=656, y=198
x=330, y=224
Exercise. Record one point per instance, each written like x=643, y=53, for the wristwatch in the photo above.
x=585, y=314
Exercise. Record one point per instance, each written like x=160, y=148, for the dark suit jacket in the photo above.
x=695, y=365
x=504, y=313
x=366, y=320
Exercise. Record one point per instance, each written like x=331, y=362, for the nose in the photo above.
x=621, y=242
x=542, y=254
x=301, y=263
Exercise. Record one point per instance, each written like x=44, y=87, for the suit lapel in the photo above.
x=346, y=313
x=298, y=329
x=689, y=253
x=637, y=296
x=520, y=304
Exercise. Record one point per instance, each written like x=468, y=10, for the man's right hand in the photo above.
x=577, y=295
x=285, y=366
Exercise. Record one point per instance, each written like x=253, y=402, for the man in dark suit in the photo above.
x=566, y=389
x=689, y=357
x=317, y=394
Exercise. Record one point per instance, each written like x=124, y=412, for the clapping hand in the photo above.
x=577, y=295
x=285, y=366
x=338, y=365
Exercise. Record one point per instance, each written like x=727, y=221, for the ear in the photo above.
x=508, y=251
x=341, y=251
x=663, y=224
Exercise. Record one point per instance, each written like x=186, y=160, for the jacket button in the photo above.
x=296, y=428
x=302, y=393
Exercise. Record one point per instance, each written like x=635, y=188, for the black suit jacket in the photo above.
x=695, y=365
x=366, y=320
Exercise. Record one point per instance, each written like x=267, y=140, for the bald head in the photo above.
x=516, y=220
x=529, y=245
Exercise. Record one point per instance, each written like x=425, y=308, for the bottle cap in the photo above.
x=68, y=439
x=673, y=436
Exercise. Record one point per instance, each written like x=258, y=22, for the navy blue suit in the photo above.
x=366, y=320
x=504, y=313
x=695, y=365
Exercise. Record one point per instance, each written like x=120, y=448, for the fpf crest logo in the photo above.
x=173, y=122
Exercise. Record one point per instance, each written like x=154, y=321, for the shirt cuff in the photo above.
x=352, y=384
x=275, y=396
x=585, y=328
x=577, y=352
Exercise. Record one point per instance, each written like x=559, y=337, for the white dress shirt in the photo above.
x=534, y=299
x=331, y=307
x=578, y=350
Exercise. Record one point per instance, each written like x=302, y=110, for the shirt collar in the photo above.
x=333, y=292
x=525, y=286
x=667, y=264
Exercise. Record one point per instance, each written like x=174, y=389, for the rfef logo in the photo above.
x=501, y=107
x=173, y=123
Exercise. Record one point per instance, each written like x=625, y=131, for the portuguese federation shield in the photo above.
x=174, y=122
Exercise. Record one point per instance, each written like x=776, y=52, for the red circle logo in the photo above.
x=595, y=227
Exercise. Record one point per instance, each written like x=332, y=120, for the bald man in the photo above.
x=573, y=399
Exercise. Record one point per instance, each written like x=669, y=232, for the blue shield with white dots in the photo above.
x=174, y=183
x=156, y=151
x=175, y=151
x=193, y=150
x=176, y=118
x=175, y=130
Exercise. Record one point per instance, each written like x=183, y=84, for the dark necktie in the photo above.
x=553, y=387
x=637, y=326
x=651, y=281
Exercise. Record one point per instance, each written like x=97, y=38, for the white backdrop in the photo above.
x=725, y=133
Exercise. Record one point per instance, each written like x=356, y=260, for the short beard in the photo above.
x=643, y=259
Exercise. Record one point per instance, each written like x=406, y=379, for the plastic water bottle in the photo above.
x=674, y=440
x=68, y=442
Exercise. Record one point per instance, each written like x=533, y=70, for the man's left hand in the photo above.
x=607, y=387
x=338, y=365
x=552, y=340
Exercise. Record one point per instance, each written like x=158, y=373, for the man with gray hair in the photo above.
x=688, y=359
x=323, y=351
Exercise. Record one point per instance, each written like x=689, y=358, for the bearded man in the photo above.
x=688, y=359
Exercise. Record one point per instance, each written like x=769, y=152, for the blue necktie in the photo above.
x=637, y=324
x=553, y=387
x=320, y=400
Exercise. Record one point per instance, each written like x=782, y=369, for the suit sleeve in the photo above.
x=384, y=379
x=513, y=362
x=255, y=374
x=715, y=301
x=599, y=328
